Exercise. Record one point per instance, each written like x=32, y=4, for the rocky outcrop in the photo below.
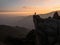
x=47, y=30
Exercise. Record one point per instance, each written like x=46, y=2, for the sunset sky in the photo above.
x=28, y=6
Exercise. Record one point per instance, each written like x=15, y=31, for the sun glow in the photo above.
x=30, y=10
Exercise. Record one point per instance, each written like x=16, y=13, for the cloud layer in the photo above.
x=29, y=5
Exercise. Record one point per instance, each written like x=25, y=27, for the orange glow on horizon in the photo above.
x=30, y=11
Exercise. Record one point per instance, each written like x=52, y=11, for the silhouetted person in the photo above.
x=35, y=13
x=41, y=36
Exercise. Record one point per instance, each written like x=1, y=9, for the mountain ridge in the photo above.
x=23, y=21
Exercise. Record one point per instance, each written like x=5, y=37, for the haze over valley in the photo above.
x=21, y=20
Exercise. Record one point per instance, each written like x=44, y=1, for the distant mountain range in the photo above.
x=22, y=21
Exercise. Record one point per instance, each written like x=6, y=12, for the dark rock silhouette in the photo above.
x=30, y=38
x=47, y=30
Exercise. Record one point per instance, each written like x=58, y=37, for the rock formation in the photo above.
x=47, y=30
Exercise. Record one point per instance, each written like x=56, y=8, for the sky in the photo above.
x=28, y=6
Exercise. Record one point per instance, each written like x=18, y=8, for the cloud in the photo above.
x=28, y=5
